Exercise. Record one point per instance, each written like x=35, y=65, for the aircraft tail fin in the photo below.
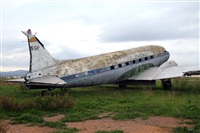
x=39, y=56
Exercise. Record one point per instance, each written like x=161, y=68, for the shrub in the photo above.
x=53, y=102
x=9, y=104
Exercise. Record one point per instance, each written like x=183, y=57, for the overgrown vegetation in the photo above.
x=54, y=102
x=48, y=103
x=27, y=106
x=9, y=104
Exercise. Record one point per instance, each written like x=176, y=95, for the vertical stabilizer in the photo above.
x=39, y=56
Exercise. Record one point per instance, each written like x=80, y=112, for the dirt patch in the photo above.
x=29, y=129
x=151, y=125
x=107, y=114
x=168, y=122
x=53, y=118
x=156, y=124
x=23, y=128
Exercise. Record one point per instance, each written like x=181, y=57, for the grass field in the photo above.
x=27, y=106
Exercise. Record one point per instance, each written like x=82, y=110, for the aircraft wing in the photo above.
x=21, y=80
x=177, y=71
x=155, y=73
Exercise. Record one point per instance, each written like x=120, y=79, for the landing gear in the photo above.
x=122, y=86
x=46, y=92
x=167, y=85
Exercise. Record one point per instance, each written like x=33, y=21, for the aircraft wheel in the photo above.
x=44, y=93
x=122, y=86
x=166, y=83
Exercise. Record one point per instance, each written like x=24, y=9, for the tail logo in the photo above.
x=34, y=47
x=32, y=39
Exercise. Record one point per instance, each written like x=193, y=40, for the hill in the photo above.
x=13, y=73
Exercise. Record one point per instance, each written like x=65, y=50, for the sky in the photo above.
x=76, y=29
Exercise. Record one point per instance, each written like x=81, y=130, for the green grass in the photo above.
x=28, y=118
x=120, y=104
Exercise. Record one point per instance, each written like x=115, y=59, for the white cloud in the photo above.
x=79, y=29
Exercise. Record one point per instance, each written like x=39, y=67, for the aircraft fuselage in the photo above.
x=113, y=70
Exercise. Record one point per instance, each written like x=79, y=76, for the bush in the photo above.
x=53, y=102
x=9, y=104
x=45, y=103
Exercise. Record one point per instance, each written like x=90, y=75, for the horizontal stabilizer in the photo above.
x=50, y=79
x=21, y=80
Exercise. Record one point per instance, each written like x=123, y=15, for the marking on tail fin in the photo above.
x=32, y=39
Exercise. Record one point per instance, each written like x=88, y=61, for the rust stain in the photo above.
x=69, y=67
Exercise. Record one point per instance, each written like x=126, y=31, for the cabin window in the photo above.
x=120, y=65
x=133, y=61
x=112, y=67
x=140, y=60
x=143, y=59
x=127, y=63
x=146, y=58
x=152, y=57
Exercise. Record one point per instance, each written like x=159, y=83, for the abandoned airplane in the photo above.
x=141, y=65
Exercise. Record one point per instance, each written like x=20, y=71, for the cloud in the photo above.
x=80, y=29
x=17, y=58
x=172, y=21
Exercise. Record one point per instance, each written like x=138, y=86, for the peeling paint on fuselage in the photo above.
x=69, y=67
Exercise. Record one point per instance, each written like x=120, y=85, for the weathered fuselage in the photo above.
x=110, y=67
